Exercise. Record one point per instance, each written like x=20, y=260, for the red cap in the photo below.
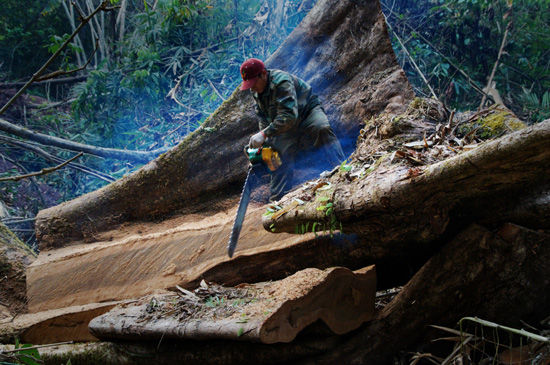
x=250, y=70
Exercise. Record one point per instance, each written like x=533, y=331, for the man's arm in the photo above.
x=287, y=110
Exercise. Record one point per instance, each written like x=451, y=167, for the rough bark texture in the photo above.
x=355, y=79
x=501, y=276
x=268, y=312
x=402, y=203
x=15, y=256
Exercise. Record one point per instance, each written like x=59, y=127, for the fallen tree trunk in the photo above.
x=503, y=277
x=401, y=203
x=134, y=261
x=268, y=312
x=355, y=80
x=507, y=285
x=66, y=324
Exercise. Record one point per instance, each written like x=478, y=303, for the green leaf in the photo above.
x=30, y=356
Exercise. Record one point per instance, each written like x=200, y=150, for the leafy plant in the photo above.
x=537, y=107
x=456, y=43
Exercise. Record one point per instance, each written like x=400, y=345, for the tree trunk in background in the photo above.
x=356, y=77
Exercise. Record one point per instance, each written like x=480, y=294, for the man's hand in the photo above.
x=257, y=140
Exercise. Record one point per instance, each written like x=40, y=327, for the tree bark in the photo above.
x=400, y=203
x=15, y=256
x=499, y=275
x=268, y=312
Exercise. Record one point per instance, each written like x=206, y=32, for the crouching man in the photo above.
x=292, y=121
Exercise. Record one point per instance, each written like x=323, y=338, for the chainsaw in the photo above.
x=257, y=156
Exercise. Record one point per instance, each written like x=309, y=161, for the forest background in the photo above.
x=155, y=70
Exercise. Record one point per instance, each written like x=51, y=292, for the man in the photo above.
x=292, y=120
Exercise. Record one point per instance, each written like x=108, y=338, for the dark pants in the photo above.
x=313, y=146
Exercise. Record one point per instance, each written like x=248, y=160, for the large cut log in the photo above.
x=267, y=312
x=130, y=264
x=135, y=264
x=399, y=203
x=58, y=325
x=501, y=276
x=356, y=77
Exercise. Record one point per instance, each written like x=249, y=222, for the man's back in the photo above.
x=285, y=94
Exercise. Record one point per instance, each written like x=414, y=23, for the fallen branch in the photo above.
x=36, y=347
x=412, y=60
x=41, y=172
x=64, y=80
x=83, y=22
x=70, y=72
x=33, y=180
x=216, y=90
x=137, y=156
x=451, y=62
x=39, y=151
x=502, y=45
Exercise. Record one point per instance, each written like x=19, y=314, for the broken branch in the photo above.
x=216, y=90
x=34, y=77
x=39, y=151
x=41, y=172
x=502, y=45
x=138, y=156
x=70, y=72
x=412, y=60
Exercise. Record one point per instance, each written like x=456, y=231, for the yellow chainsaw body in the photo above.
x=267, y=155
x=271, y=158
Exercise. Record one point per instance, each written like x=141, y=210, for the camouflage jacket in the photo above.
x=285, y=102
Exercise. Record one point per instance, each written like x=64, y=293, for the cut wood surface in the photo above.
x=356, y=78
x=131, y=264
x=267, y=312
x=66, y=324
